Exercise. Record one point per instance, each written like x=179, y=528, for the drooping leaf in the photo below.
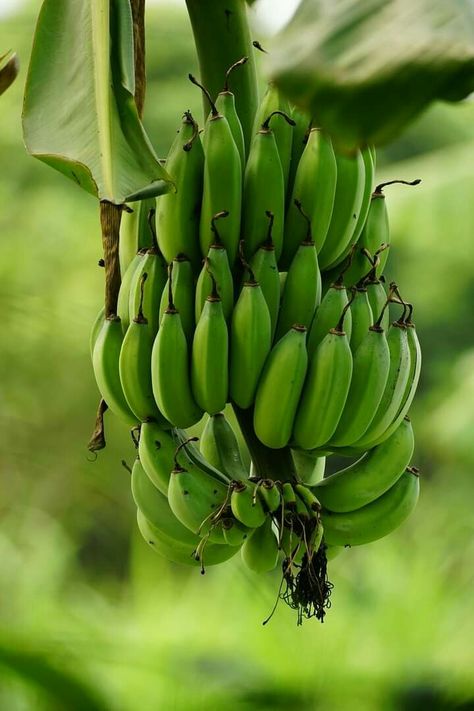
x=79, y=112
x=365, y=68
x=9, y=68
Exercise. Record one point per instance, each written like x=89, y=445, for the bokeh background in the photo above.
x=90, y=617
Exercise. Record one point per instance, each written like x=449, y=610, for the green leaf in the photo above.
x=9, y=67
x=365, y=69
x=79, y=112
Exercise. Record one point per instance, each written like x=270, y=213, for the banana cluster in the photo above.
x=260, y=284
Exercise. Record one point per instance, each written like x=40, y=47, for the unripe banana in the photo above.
x=250, y=342
x=210, y=356
x=328, y=314
x=191, y=455
x=395, y=388
x=315, y=189
x=371, y=476
x=265, y=269
x=269, y=494
x=135, y=367
x=216, y=263
x=279, y=389
x=302, y=293
x=369, y=165
x=361, y=316
x=105, y=361
x=325, y=392
x=377, y=298
x=310, y=468
x=347, y=205
x=182, y=283
x=375, y=520
x=371, y=366
x=219, y=445
x=273, y=100
x=186, y=554
x=260, y=551
x=222, y=186
x=300, y=138
x=95, y=329
x=170, y=371
x=123, y=310
x=246, y=506
x=155, y=507
x=235, y=533
x=178, y=211
x=154, y=266
x=156, y=450
x=264, y=189
x=135, y=232
x=225, y=104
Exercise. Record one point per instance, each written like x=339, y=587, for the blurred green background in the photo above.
x=90, y=617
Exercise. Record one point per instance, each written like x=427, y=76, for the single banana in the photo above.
x=361, y=316
x=135, y=367
x=280, y=388
x=328, y=314
x=246, y=505
x=95, y=329
x=346, y=210
x=310, y=468
x=170, y=369
x=178, y=211
x=270, y=494
x=235, y=533
x=265, y=269
x=371, y=476
x=315, y=189
x=154, y=266
x=216, y=263
x=377, y=298
x=123, y=311
x=225, y=104
x=371, y=366
x=396, y=386
x=260, y=551
x=375, y=520
x=273, y=100
x=302, y=293
x=222, y=186
x=156, y=450
x=219, y=445
x=135, y=233
x=300, y=138
x=326, y=390
x=105, y=361
x=250, y=342
x=192, y=456
x=181, y=279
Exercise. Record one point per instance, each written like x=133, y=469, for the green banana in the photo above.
x=326, y=390
x=95, y=329
x=154, y=266
x=315, y=188
x=181, y=279
x=225, y=104
x=371, y=476
x=135, y=233
x=210, y=355
x=265, y=269
x=346, y=209
x=269, y=494
x=246, y=506
x=154, y=506
x=361, y=316
x=273, y=100
x=170, y=369
x=260, y=551
x=302, y=292
x=310, y=468
x=264, y=189
x=235, y=533
x=185, y=554
x=371, y=366
x=280, y=387
x=135, y=368
x=250, y=342
x=123, y=310
x=396, y=386
x=377, y=298
x=178, y=211
x=216, y=263
x=222, y=186
x=369, y=165
x=105, y=361
x=193, y=456
x=219, y=445
x=156, y=450
x=328, y=314
x=300, y=138
x=375, y=520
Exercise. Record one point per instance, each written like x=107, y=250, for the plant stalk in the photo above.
x=222, y=36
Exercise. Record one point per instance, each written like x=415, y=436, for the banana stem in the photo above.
x=274, y=464
x=222, y=36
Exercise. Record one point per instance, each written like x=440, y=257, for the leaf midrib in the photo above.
x=101, y=60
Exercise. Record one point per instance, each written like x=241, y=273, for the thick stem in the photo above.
x=138, y=14
x=110, y=216
x=275, y=464
x=222, y=36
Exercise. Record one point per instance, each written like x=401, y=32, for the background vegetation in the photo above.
x=92, y=618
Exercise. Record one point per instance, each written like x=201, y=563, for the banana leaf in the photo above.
x=8, y=70
x=79, y=111
x=366, y=68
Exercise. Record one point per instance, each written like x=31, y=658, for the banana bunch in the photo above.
x=260, y=282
